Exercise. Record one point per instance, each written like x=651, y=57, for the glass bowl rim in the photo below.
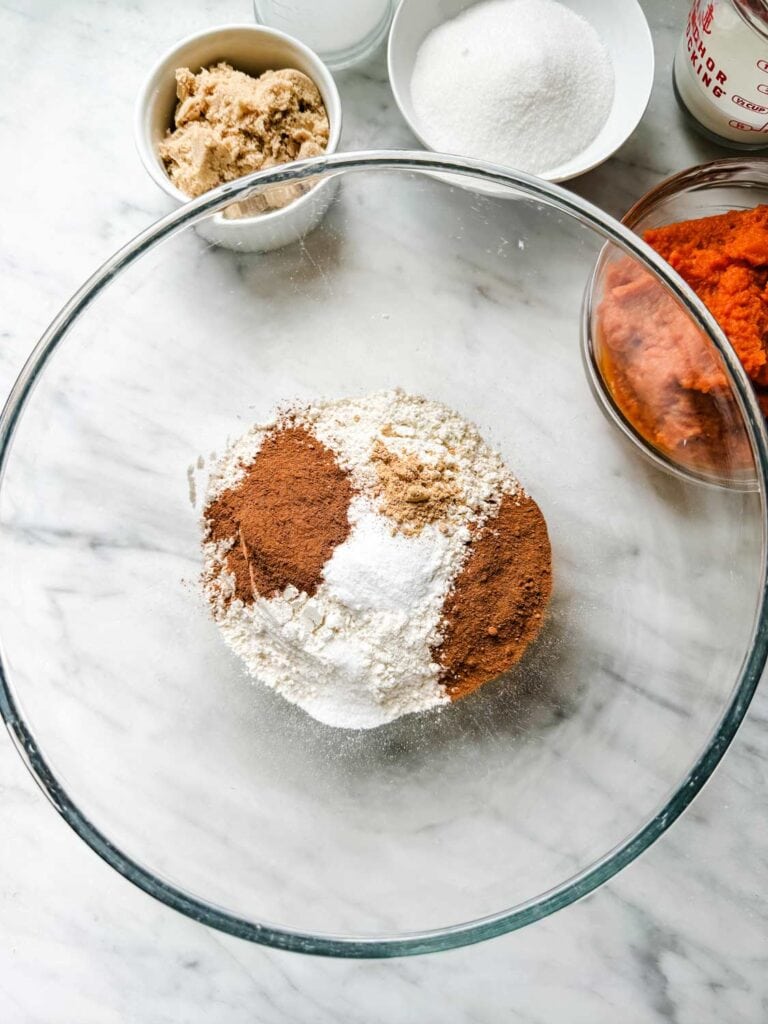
x=600, y=871
x=713, y=172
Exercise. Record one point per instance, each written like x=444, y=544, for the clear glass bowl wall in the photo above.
x=216, y=795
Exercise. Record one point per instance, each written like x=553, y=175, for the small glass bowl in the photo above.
x=702, y=191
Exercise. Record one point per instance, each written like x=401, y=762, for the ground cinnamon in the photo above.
x=496, y=607
x=286, y=516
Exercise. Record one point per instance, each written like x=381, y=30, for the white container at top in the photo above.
x=252, y=49
x=343, y=32
x=721, y=71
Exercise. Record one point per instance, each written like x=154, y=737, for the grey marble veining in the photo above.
x=681, y=936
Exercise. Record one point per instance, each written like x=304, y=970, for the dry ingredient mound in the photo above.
x=369, y=558
x=296, y=487
x=228, y=124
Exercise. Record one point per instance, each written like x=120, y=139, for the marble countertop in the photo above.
x=680, y=936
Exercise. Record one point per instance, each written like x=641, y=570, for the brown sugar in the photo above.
x=496, y=607
x=228, y=124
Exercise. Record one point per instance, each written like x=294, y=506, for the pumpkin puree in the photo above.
x=663, y=374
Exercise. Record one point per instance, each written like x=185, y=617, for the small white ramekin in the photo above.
x=252, y=49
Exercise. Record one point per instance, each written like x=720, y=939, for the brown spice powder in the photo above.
x=286, y=516
x=414, y=493
x=496, y=607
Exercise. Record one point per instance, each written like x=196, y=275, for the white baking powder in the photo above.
x=358, y=653
x=526, y=83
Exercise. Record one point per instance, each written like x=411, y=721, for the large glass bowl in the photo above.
x=215, y=795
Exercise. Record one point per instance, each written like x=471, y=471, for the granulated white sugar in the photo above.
x=525, y=83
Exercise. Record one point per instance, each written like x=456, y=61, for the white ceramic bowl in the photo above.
x=252, y=49
x=620, y=24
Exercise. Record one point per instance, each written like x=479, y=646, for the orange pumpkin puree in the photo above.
x=663, y=374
